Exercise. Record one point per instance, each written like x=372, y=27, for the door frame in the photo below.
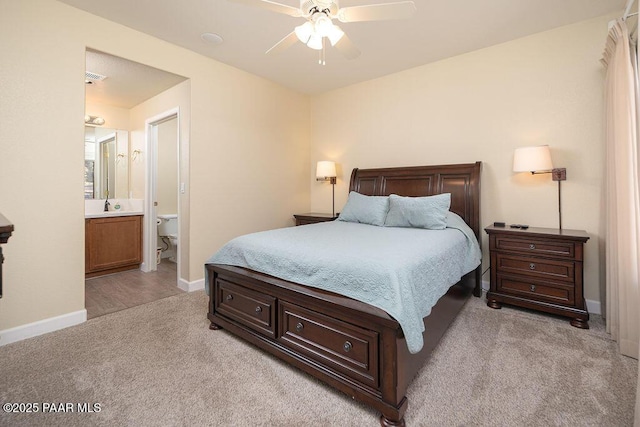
x=150, y=227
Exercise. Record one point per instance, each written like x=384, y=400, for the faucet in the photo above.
x=106, y=205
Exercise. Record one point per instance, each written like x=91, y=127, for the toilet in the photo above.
x=168, y=228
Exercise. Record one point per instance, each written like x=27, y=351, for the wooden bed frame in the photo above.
x=352, y=346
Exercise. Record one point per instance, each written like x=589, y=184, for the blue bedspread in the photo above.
x=403, y=271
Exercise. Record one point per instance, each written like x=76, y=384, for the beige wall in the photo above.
x=542, y=89
x=249, y=150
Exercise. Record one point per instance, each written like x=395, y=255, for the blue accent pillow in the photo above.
x=365, y=209
x=418, y=212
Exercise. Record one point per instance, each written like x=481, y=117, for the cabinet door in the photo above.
x=113, y=242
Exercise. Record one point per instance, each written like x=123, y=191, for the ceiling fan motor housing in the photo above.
x=308, y=6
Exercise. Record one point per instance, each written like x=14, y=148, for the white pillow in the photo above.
x=418, y=212
x=365, y=209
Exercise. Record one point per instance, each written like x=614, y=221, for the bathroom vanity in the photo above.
x=113, y=243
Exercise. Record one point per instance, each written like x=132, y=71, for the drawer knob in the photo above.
x=532, y=266
x=533, y=288
x=229, y=297
x=347, y=346
x=258, y=309
x=532, y=246
x=299, y=327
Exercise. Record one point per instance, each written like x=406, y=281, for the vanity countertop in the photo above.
x=112, y=214
x=94, y=208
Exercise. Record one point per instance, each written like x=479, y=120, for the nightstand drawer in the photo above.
x=313, y=218
x=559, y=293
x=309, y=221
x=252, y=309
x=535, y=246
x=536, y=267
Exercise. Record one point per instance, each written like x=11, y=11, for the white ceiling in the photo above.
x=128, y=83
x=440, y=29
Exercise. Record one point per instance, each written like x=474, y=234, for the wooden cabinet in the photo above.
x=112, y=244
x=540, y=269
x=6, y=229
x=313, y=218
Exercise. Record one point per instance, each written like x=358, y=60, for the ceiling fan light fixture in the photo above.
x=335, y=35
x=323, y=24
x=315, y=42
x=304, y=32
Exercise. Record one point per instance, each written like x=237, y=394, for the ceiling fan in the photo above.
x=319, y=26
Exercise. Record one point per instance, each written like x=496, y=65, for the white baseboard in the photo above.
x=191, y=286
x=593, y=307
x=40, y=327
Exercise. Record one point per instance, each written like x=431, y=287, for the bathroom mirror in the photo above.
x=106, y=163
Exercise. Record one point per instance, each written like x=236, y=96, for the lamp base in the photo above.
x=559, y=174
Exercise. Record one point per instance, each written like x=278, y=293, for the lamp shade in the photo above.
x=335, y=35
x=532, y=159
x=315, y=42
x=325, y=169
x=304, y=32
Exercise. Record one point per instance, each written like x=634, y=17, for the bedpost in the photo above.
x=477, y=289
x=210, y=276
x=352, y=182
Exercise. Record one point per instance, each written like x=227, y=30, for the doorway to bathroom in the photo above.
x=142, y=103
x=163, y=229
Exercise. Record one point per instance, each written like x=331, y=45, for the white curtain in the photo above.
x=623, y=194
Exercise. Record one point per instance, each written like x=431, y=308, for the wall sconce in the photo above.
x=93, y=120
x=537, y=160
x=136, y=153
x=326, y=171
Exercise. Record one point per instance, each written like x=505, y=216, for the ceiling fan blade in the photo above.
x=288, y=41
x=346, y=47
x=272, y=6
x=377, y=12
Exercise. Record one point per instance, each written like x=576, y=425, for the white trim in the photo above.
x=40, y=327
x=593, y=307
x=486, y=285
x=191, y=286
x=150, y=226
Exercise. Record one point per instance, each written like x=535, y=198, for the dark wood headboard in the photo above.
x=462, y=181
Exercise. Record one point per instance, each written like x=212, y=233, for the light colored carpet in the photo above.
x=159, y=364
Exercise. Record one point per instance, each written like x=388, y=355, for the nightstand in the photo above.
x=540, y=269
x=312, y=218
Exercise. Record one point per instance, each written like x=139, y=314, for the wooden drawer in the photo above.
x=536, y=267
x=306, y=221
x=533, y=246
x=251, y=308
x=341, y=346
x=559, y=293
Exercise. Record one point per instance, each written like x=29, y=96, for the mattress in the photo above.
x=403, y=271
